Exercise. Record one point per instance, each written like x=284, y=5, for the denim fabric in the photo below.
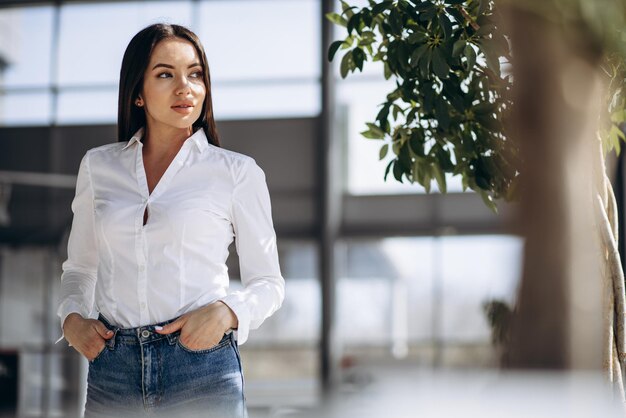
x=141, y=373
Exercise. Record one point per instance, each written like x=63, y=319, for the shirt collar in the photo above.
x=198, y=137
x=134, y=138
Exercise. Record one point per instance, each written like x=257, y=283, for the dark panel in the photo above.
x=285, y=149
x=40, y=215
x=24, y=149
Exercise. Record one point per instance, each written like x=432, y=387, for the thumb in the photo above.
x=103, y=330
x=171, y=327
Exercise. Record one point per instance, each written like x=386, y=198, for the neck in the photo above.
x=164, y=140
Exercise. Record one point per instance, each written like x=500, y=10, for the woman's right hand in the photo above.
x=87, y=336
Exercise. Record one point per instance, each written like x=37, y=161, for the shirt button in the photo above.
x=143, y=305
x=142, y=267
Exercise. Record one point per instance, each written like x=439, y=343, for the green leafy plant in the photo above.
x=498, y=314
x=447, y=112
x=449, y=59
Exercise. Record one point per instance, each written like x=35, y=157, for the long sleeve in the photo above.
x=78, y=279
x=255, y=240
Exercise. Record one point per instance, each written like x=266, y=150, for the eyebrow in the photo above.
x=195, y=64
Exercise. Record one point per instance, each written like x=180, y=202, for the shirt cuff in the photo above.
x=242, y=312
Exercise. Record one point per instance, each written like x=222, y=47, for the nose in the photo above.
x=183, y=87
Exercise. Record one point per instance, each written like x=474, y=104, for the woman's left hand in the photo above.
x=204, y=327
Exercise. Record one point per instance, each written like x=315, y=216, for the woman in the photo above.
x=154, y=215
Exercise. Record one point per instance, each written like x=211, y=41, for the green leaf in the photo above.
x=332, y=50
x=464, y=182
x=417, y=173
x=424, y=63
x=614, y=136
x=427, y=177
x=416, y=143
x=411, y=116
x=417, y=38
x=347, y=9
x=488, y=201
x=482, y=182
x=359, y=56
x=441, y=112
x=383, y=116
x=380, y=7
x=397, y=171
x=425, y=6
x=396, y=109
x=440, y=66
x=618, y=116
x=417, y=54
x=395, y=20
x=492, y=59
x=347, y=64
x=387, y=169
x=458, y=47
x=446, y=25
x=470, y=55
x=383, y=151
x=428, y=98
x=374, y=132
x=337, y=19
x=440, y=177
x=403, y=55
x=387, y=71
x=354, y=23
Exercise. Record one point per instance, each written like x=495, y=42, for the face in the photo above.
x=173, y=87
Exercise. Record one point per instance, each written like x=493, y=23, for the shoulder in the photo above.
x=95, y=154
x=241, y=166
x=231, y=157
x=104, y=150
x=237, y=163
x=112, y=147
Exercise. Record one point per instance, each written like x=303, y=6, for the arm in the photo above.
x=255, y=240
x=78, y=279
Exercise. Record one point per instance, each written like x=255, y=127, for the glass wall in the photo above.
x=422, y=298
x=263, y=58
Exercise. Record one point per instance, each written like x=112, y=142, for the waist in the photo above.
x=136, y=330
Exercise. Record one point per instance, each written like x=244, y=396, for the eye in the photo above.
x=199, y=74
x=159, y=76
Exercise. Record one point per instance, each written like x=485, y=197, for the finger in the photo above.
x=171, y=327
x=103, y=330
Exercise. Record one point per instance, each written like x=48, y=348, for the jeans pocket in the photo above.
x=223, y=343
x=105, y=348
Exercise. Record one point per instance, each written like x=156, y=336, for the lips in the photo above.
x=182, y=104
x=183, y=110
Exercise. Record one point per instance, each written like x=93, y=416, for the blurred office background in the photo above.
x=378, y=274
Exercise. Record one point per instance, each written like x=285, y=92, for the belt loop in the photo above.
x=111, y=341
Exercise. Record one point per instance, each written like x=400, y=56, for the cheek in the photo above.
x=200, y=91
x=153, y=94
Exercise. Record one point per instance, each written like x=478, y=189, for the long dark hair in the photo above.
x=136, y=59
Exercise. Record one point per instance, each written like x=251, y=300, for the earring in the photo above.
x=138, y=102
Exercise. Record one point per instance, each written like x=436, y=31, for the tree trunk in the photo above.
x=557, y=96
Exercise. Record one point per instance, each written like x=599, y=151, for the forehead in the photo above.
x=174, y=51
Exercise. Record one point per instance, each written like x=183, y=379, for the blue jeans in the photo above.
x=141, y=373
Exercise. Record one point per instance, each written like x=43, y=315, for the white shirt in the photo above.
x=137, y=274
